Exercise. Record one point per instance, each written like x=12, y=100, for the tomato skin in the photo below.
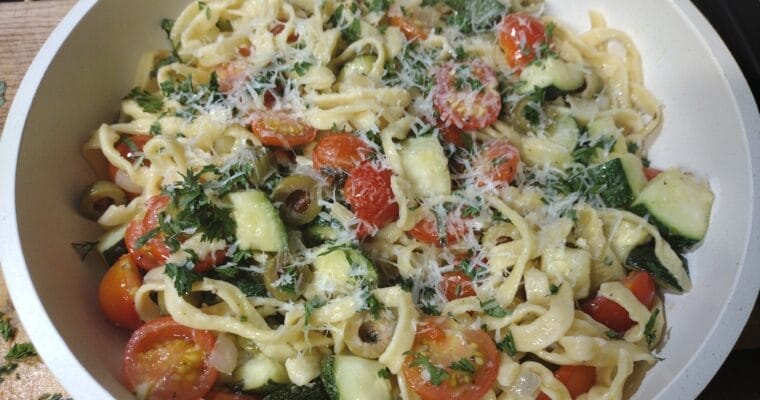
x=426, y=231
x=500, y=161
x=368, y=191
x=578, y=379
x=456, y=285
x=155, y=252
x=614, y=316
x=641, y=284
x=149, y=359
x=212, y=260
x=341, y=151
x=519, y=37
x=457, y=137
x=651, y=173
x=453, y=97
x=280, y=130
x=116, y=294
x=443, y=341
x=217, y=395
x=131, y=155
x=409, y=27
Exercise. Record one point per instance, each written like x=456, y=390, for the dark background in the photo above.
x=738, y=23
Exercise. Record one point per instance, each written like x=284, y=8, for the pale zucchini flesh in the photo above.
x=258, y=223
x=426, y=166
x=354, y=378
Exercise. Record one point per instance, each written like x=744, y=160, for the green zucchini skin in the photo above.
x=313, y=391
x=643, y=258
x=617, y=192
x=328, y=378
x=111, y=245
x=677, y=242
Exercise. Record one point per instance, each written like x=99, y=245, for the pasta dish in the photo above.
x=388, y=199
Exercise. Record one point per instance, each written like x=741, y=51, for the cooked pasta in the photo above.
x=389, y=199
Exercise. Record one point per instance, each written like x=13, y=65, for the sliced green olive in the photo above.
x=262, y=168
x=525, y=115
x=368, y=337
x=286, y=282
x=298, y=194
x=100, y=196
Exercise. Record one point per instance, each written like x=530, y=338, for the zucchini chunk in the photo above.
x=556, y=148
x=621, y=178
x=340, y=272
x=354, y=378
x=426, y=166
x=313, y=391
x=678, y=205
x=644, y=258
x=321, y=231
x=261, y=375
x=258, y=224
x=551, y=72
x=111, y=245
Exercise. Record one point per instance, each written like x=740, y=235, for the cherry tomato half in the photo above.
x=280, y=130
x=466, y=95
x=154, y=252
x=499, y=160
x=578, y=379
x=441, y=342
x=130, y=147
x=341, y=151
x=117, y=293
x=165, y=360
x=651, y=173
x=456, y=285
x=426, y=231
x=614, y=316
x=217, y=395
x=519, y=37
x=368, y=191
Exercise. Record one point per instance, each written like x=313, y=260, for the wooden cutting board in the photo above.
x=24, y=27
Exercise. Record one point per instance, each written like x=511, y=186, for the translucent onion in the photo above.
x=224, y=357
x=526, y=385
x=122, y=179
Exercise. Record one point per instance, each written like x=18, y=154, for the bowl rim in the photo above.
x=687, y=383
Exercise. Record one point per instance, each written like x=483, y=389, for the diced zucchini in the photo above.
x=645, y=259
x=568, y=266
x=354, y=378
x=258, y=224
x=621, y=178
x=426, y=166
x=111, y=245
x=551, y=72
x=312, y=391
x=626, y=237
x=678, y=205
x=605, y=129
x=340, y=272
x=260, y=375
x=321, y=231
x=356, y=71
x=556, y=148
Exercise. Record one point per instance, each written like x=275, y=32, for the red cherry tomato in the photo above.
x=427, y=231
x=212, y=260
x=412, y=28
x=466, y=95
x=166, y=360
x=368, y=191
x=611, y=314
x=280, y=130
x=578, y=379
x=519, y=37
x=651, y=173
x=499, y=160
x=441, y=342
x=117, y=293
x=154, y=252
x=130, y=147
x=339, y=151
x=455, y=136
x=456, y=285
x=216, y=395
x=279, y=27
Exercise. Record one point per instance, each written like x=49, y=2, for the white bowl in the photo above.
x=76, y=81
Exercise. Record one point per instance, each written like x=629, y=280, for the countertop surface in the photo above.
x=24, y=26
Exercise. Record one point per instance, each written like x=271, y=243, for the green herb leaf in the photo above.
x=183, y=277
x=148, y=102
x=612, y=335
x=649, y=332
x=427, y=301
x=508, y=344
x=553, y=289
x=379, y=5
x=384, y=373
x=463, y=365
x=437, y=375
x=311, y=305
x=492, y=308
x=301, y=68
x=142, y=240
x=19, y=351
x=353, y=32
x=155, y=128
x=55, y=396
x=3, y=88
x=84, y=248
x=7, y=369
x=7, y=331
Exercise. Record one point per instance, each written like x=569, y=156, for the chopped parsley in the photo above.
x=508, y=344
x=373, y=305
x=584, y=152
x=148, y=102
x=183, y=277
x=155, y=128
x=492, y=308
x=55, y=396
x=475, y=15
x=145, y=238
x=379, y=5
x=7, y=369
x=612, y=335
x=438, y=375
x=310, y=306
x=553, y=289
x=20, y=351
x=649, y=332
x=427, y=301
x=3, y=87
x=384, y=373
x=463, y=365
x=7, y=331
x=84, y=248
x=632, y=147
x=301, y=68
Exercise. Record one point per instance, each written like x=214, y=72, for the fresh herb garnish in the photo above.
x=148, y=102
x=7, y=331
x=183, y=277
x=84, y=248
x=7, y=369
x=301, y=67
x=55, y=396
x=612, y=335
x=147, y=236
x=553, y=289
x=427, y=301
x=463, y=365
x=3, y=87
x=155, y=128
x=492, y=308
x=649, y=332
x=379, y=5
x=508, y=344
x=19, y=351
x=310, y=306
x=437, y=375
x=384, y=373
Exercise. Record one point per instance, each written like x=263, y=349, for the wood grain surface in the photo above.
x=24, y=26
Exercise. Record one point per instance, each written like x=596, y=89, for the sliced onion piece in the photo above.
x=224, y=357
